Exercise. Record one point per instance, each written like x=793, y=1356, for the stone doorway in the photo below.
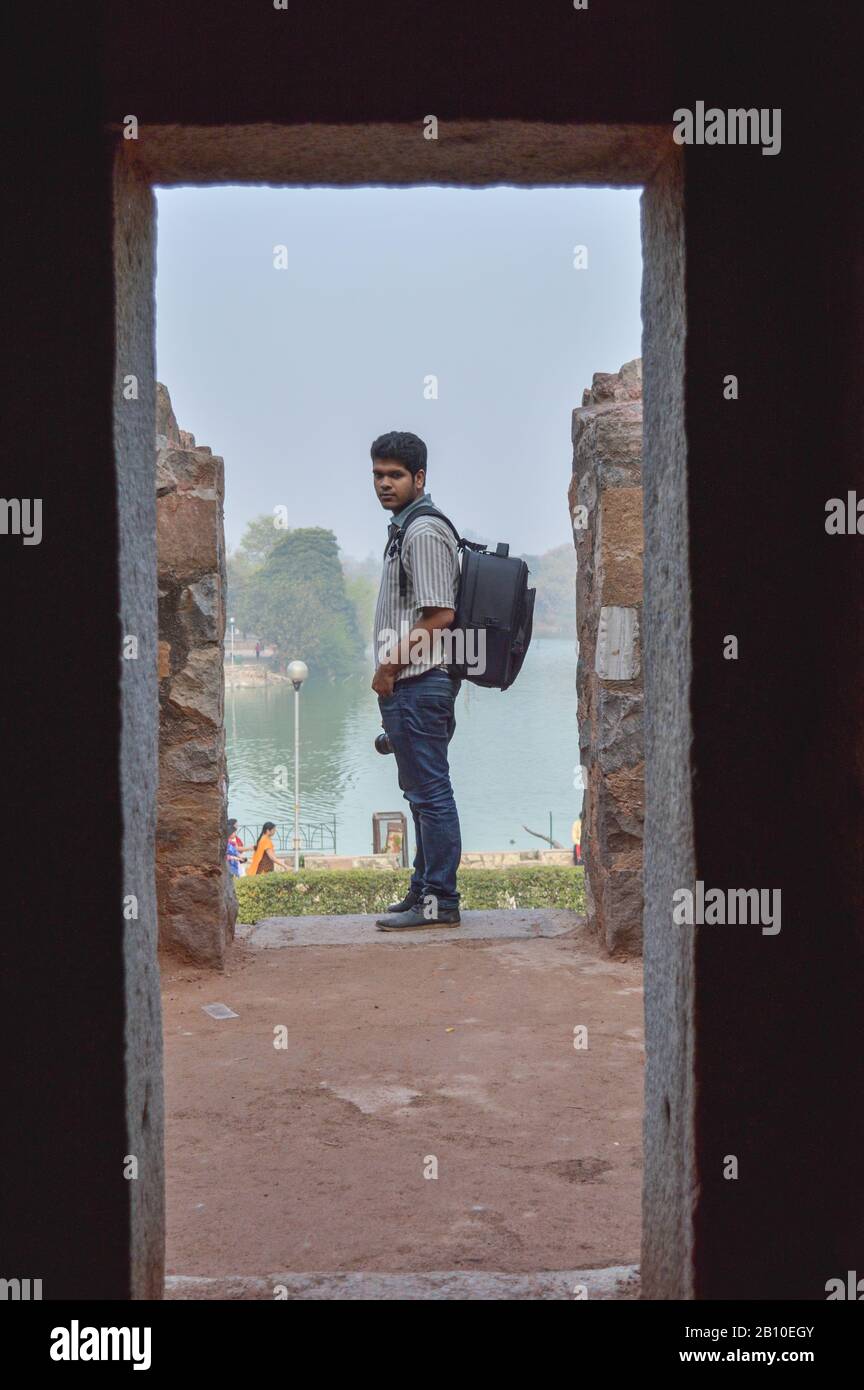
x=472, y=154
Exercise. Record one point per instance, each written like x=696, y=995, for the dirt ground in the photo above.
x=312, y=1156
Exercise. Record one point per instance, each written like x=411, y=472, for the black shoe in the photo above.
x=405, y=904
x=415, y=919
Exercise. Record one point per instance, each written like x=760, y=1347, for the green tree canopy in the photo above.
x=298, y=601
x=260, y=537
x=238, y=574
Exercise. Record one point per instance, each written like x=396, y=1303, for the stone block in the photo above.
x=617, y=656
x=186, y=531
x=622, y=910
x=620, y=729
x=189, y=828
x=199, y=610
x=166, y=422
x=609, y=438
x=626, y=787
x=619, y=546
x=198, y=689
x=194, y=761
x=625, y=385
x=191, y=470
x=193, y=907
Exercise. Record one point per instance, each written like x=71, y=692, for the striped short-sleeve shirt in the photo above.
x=431, y=560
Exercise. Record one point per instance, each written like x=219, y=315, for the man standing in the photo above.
x=416, y=694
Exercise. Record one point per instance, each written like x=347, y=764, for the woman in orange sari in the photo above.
x=264, y=859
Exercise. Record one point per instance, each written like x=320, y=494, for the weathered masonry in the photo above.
x=752, y=267
x=606, y=506
x=197, y=907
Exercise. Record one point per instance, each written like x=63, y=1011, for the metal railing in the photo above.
x=317, y=835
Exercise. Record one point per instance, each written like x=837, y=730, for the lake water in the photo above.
x=512, y=757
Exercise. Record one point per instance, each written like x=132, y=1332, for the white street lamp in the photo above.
x=297, y=672
x=231, y=621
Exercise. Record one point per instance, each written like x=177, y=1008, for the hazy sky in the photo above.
x=290, y=374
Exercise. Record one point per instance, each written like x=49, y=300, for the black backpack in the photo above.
x=493, y=599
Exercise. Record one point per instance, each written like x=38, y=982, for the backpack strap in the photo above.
x=395, y=546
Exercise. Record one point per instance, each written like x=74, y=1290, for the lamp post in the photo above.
x=231, y=621
x=297, y=672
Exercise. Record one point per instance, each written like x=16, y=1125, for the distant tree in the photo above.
x=239, y=573
x=287, y=614
x=259, y=539
x=363, y=594
x=368, y=568
x=362, y=580
x=299, y=603
x=553, y=574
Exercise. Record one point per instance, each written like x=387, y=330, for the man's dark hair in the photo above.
x=401, y=447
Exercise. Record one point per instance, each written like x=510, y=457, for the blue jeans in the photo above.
x=419, y=721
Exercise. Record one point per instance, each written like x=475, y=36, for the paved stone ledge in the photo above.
x=359, y=929
x=618, y=1283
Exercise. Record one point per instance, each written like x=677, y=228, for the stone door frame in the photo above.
x=466, y=154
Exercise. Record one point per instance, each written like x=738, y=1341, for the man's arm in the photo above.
x=431, y=622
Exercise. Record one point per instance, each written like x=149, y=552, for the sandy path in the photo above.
x=312, y=1157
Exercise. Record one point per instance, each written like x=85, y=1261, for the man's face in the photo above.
x=396, y=485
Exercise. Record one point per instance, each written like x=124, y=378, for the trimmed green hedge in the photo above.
x=332, y=892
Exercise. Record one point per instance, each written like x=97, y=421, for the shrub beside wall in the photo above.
x=319, y=892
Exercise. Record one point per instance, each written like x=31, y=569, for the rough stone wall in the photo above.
x=196, y=901
x=606, y=504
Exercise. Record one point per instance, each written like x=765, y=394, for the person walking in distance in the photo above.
x=234, y=854
x=264, y=859
x=416, y=693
